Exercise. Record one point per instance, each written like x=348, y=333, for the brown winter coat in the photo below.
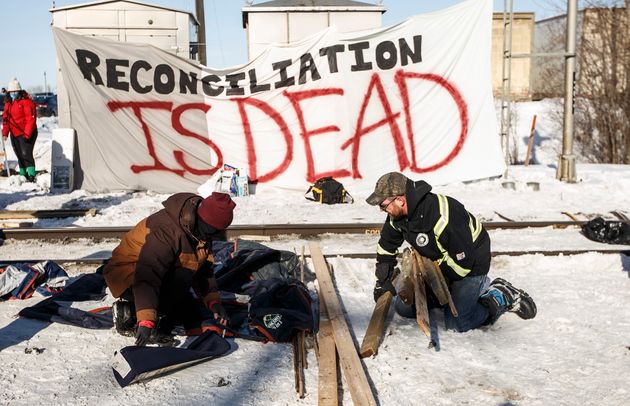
x=161, y=242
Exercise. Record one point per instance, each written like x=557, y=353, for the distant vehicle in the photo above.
x=46, y=104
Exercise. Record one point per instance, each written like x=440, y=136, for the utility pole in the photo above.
x=45, y=85
x=506, y=82
x=201, y=40
x=566, y=164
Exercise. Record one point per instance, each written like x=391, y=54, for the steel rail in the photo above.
x=300, y=230
x=96, y=260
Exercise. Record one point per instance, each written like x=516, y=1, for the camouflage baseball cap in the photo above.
x=389, y=185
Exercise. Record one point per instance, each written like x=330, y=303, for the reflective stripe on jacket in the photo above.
x=439, y=228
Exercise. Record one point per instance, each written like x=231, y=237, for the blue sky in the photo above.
x=28, y=50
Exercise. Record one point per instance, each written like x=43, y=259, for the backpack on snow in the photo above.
x=279, y=308
x=610, y=232
x=328, y=191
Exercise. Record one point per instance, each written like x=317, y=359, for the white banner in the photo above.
x=415, y=98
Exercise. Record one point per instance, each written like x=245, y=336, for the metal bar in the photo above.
x=364, y=255
x=506, y=84
x=4, y=152
x=300, y=230
x=566, y=164
x=541, y=54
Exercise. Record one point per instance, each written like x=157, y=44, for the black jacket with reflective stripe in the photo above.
x=461, y=256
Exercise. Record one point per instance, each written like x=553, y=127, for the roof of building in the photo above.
x=313, y=3
x=309, y=6
x=99, y=2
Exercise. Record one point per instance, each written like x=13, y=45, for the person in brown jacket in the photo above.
x=157, y=263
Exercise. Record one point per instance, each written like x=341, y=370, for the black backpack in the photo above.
x=328, y=191
x=610, y=232
x=279, y=308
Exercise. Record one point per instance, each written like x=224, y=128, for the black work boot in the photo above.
x=124, y=314
x=514, y=300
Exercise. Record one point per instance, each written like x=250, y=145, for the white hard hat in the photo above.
x=14, y=85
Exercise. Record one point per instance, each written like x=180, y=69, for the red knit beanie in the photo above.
x=217, y=210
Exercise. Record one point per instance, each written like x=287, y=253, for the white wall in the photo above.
x=266, y=28
x=126, y=22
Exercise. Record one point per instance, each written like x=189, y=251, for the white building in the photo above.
x=126, y=21
x=285, y=21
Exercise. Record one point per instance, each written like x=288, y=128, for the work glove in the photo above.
x=219, y=312
x=385, y=275
x=143, y=332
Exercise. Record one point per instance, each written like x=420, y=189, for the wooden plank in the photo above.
x=327, y=394
x=44, y=214
x=435, y=269
x=405, y=288
x=20, y=224
x=530, y=141
x=431, y=277
x=620, y=215
x=420, y=296
x=302, y=334
x=569, y=215
x=297, y=367
x=352, y=368
x=374, y=332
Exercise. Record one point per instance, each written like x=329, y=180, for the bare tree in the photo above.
x=604, y=82
x=602, y=106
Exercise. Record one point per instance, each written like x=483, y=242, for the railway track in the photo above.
x=268, y=230
x=97, y=260
x=285, y=236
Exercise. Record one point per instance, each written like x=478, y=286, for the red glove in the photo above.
x=144, y=331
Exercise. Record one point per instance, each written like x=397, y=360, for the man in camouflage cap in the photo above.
x=389, y=185
x=438, y=227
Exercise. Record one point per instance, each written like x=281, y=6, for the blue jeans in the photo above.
x=465, y=294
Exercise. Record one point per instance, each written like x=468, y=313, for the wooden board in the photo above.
x=436, y=269
x=374, y=332
x=432, y=278
x=45, y=214
x=439, y=285
x=420, y=296
x=298, y=364
x=405, y=288
x=349, y=358
x=327, y=394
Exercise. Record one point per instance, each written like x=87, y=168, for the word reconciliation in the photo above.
x=142, y=77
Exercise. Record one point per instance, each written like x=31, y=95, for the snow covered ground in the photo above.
x=576, y=351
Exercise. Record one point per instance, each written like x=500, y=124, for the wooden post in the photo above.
x=374, y=332
x=350, y=362
x=530, y=141
x=298, y=367
x=201, y=40
x=299, y=348
x=432, y=273
x=420, y=295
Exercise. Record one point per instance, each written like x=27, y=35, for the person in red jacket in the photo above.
x=19, y=121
